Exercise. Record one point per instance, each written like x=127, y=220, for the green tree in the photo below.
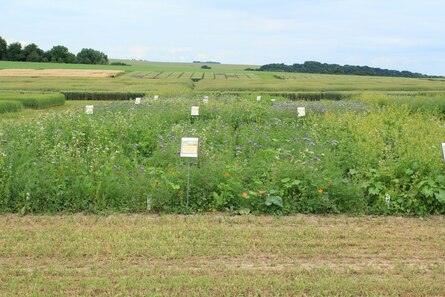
x=15, y=52
x=33, y=53
x=3, y=48
x=60, y=54
x=91, y=56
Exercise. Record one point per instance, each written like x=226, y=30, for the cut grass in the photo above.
x=219, y=255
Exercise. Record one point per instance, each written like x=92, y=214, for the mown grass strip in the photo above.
x=220, y=255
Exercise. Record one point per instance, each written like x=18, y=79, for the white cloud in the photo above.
x=401, y=34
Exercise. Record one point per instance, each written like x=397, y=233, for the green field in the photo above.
x=83, y=198
x=255, y=157
x=174, y=78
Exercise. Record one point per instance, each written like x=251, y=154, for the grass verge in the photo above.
x=219, y=255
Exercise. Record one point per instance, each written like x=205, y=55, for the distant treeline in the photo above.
x=207, y=62
x=57, y=54
x=324, y=68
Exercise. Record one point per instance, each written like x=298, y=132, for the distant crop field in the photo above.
x=58, y=73
x=174, y=78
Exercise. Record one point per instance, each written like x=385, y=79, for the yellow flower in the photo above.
x=320, y=190
x=244, y=194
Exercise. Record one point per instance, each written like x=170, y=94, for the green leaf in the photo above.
x=285, y=180
x=244, y=211
x=275, y=200
x=427, y=192
x=440, y=196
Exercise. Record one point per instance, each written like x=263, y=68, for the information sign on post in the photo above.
x=89, y=109
x=301, y=111
x=258, y=98
x=195, y=111
x=206, y=99
x=156, y=97
x=137, y=101
x=189, y=147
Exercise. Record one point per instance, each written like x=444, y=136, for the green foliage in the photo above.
x=60, y=54
x=10, y=106
x=324, y=68
x=15, y=52
x=106, y=96
x=119, y=64
x=91, y=56
x=35, y=101
x=3, y=49
x=255, y=157
x=33, y=53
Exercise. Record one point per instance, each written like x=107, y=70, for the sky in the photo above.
x=394, y=34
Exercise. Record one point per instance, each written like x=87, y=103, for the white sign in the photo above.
x=206, y=99
x=258, y=98
x=156, y=97
x=195, y=111
x=273, y=100
x=137, y=101
x=89, y=109
x=443, y=150
x=301, y=111
x=189, y=147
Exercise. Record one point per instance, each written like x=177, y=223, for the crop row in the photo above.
x=10, y=102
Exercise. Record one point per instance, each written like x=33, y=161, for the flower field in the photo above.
x=360, y=156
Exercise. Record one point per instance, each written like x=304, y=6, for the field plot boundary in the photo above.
x=58, y=73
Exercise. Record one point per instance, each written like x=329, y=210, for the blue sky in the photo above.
x=403, y=35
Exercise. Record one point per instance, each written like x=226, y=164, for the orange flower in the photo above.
x=226, y=174
x=244, y=194
x=261, y=192
x=320, y=190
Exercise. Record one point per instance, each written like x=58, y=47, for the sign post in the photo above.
x=301, y=111
x=137, y=101
x=189, y=149
x=206, y=99
x=443, y=151
x=195, y=111
x=156, y=97
x=89, y=109
x=258, y=98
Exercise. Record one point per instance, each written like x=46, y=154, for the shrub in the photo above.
x=105, y=96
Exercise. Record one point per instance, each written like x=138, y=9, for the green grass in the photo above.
x=34, y=101
x=219, y=255
x=10, y=106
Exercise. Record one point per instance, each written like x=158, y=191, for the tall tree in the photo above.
x=91, y=56
x=61, y=54
x=33, y=53
x=15, y=52
x=3, y=48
